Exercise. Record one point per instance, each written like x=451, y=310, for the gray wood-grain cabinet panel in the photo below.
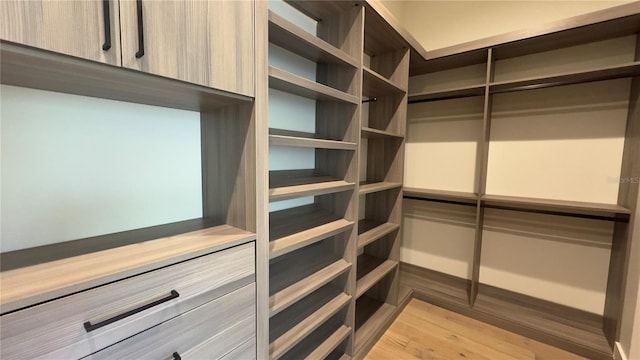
x=209, y=43
x=74, y=28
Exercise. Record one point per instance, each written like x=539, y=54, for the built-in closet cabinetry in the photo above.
x=384, y=96
x=208, y=43
x=312, y=225
x=86, y=29
x=182, y=289
x=541, y=184
x=334, y=220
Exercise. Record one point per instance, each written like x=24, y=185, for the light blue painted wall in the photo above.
x=288, y=111
x=75, y=167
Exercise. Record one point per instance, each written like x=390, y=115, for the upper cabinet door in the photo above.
x=204, y=42
x=79, y=28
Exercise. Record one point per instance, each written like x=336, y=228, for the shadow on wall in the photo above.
x=438, y=236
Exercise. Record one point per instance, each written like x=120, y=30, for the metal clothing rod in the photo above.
x=455, y=202
x=619, y=217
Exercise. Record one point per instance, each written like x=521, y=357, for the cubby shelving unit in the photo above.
x=312, y=245
x=384, y=91
x=228, y=166
x=369, y=242
x=585, y=333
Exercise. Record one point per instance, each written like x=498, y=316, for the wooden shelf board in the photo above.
x=581, y=333
x=331, y=343
x=290, y=221
x=295, y=241
x=378, y=186
x=291, y=37
x=290, y=184
x=446, y=195
x=286, y=297
x=447, y=94
x=318, y=10
x=77, y=273
x=300, y=274
x=370, y=317
x=309, y=142
x=372, y=230
x=375, y=85
x=380, y=36
x=320, y=343
x=567, y=78
x=67, y=74
x=297, y=85
x=294, y=326
x=370, y=271
x=560, y=206
x=371, y=133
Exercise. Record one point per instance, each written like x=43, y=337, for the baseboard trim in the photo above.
x=618, y=352
x=569, y=329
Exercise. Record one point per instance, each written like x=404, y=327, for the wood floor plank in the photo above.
x=447, y=341
x=542, y=351
x=425, y=331
x=423, y=311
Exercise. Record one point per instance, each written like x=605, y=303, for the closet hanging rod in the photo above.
x=455, y=202
x=617, y=217
x=443, y=97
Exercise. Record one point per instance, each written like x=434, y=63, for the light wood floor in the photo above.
x=425, y=331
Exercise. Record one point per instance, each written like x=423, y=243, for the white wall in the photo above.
x=438, y=24
x=74, y=167
x=557, y=143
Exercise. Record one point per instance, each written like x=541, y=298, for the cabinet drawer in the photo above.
x=56, y=329
x=222, y=324
x=246, y=351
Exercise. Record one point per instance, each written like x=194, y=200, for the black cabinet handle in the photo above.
x=140, y=52
x=176, y=356
x=90, y=327
x=106, y=9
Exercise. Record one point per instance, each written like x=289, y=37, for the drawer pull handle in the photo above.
x=107, y=25
x=176, y=356
x=90, y=327
x=140, y=52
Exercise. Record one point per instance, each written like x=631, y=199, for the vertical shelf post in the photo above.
x=481, y=179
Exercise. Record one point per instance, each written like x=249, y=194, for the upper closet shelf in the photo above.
x=447, y=94
x=371, y=133
x=297, y=85
x=568, y=78
x=291, y=37
x=378, y=186
x=556, y=206
x=374, y=84
x=306, y=140
x=442, y=195
x=291, y=184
